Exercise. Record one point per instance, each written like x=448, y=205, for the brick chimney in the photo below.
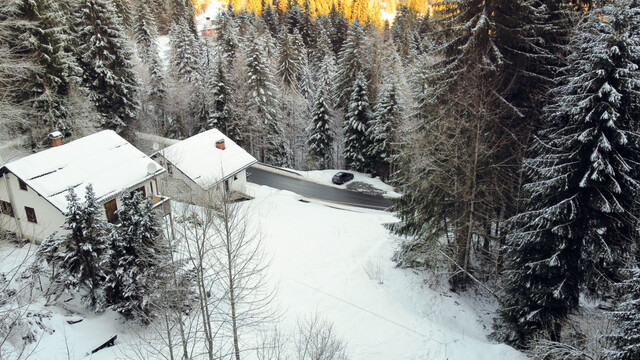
x=220, y=144
x=56, y=138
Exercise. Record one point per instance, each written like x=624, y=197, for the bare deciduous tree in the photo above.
x=315, y=339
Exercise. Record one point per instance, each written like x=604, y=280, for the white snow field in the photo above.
x=319, y=254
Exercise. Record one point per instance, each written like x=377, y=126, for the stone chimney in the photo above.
x=56, y=138
x=220, y=144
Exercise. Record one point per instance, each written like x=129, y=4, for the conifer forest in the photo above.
x=510, y=127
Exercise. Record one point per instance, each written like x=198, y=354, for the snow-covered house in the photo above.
x=33, y=189
x=202, y=163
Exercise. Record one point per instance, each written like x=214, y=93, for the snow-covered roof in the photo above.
x=104, y=159
x=199, y=159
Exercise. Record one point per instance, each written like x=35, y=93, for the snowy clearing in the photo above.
x=334, y=262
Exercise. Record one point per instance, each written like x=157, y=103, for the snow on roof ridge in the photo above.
x=103, y=159
x=190, y=157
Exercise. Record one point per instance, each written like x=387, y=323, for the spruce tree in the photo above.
x=289, y=61
x=221, y=116
x=383, y=131
x=580, y=219
x=185, y=53
x=227, y=38
x=47, y=89
x=624, y=341
x=339, y=28
x=263, y=105
x=157, y=91
x=321, y=135
x=145, y=31
x=76, y=255
x=104, y=54
x=134, y=260
x=271, y=20
x=350, y=63
x=356, y=125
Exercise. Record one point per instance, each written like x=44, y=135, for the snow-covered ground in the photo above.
x=319, y=256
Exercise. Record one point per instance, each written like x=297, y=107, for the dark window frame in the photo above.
x=6, y=208
x=31, y=214
x=22, y=185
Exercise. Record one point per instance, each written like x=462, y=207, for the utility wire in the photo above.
x=363, y=309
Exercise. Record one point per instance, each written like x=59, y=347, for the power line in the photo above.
x=363, y=309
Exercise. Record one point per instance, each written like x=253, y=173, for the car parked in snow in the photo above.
x=341, y=178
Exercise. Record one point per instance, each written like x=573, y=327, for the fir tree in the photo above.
x=123, y=10
x=145, y=31
x=157, y=91
x=221, y=116
x=271, y=20
x=350, y=63
x=382, y=132
x=320, y=131
x=47, y=88
x=339, y=28
x=263, y=104
x=289, y=62
x=185, y=55
x=624, y=341
x=227, y=36
x=104, y=54
x=356, y=125
x=326, y=68
x=76, y=255
x=583, y=189
x=134, y=260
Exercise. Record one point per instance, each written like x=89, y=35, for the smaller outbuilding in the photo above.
x=204, y=163
x=33, y=189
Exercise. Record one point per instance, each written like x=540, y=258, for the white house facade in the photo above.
x=205, y=162
x=33, y=189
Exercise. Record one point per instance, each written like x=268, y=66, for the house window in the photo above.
x=140, y=189
x=235, y=177
x=6, y=208
x=169, y=169
x=31, y=214
x=23, y=185
x=110, y=208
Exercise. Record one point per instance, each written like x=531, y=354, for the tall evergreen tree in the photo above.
x=356, y=125
x=326, y=67
x=221, y=115
x=76, y=255
x=48, y=88
x=227, y=38
x=339, y=29
x=383, y=131
x=268, y=134
x=104, y=54
x=581, y=218
x=624, y=341
x=134, y=260
x=321, y=136
x=350, y=63
x=145, y=31
x=289, y=61
x=185, y=55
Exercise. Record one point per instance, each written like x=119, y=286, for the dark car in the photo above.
x=341, y=178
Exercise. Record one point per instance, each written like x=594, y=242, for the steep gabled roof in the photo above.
x=199, y=159
x=104, y=159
